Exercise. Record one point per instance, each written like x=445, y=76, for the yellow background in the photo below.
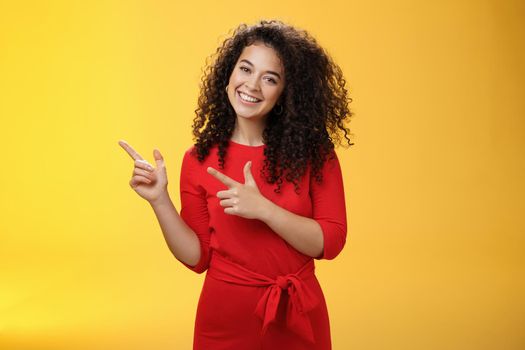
x=434, y=184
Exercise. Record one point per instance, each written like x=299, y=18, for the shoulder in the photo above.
x=190, y=159
x=191, y=156
x=329, y=168
x=190, y=151
x=330, y=161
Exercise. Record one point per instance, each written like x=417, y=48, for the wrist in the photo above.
x=267, y=210
x=162, y=200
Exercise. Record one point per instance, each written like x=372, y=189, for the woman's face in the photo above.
x=259, y=74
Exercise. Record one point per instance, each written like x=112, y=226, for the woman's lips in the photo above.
x=245, y=102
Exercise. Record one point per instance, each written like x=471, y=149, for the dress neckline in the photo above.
x=246, y=147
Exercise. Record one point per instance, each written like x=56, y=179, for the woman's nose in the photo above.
x=252, y=85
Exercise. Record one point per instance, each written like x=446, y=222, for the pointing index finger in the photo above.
x=133, y=154
x=228, y=181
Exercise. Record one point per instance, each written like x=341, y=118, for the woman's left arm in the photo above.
x=324, y=235
x=301, y=232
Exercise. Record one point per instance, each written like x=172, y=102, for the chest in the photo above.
x=296, y=202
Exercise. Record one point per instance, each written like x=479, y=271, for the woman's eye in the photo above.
x=246, y=69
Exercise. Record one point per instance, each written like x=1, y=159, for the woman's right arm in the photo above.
x=152, y=185
x=181, y=239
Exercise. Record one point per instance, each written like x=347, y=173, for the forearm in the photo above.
x=302, y=233
x=181, y=239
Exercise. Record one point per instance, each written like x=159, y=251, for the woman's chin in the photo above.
x=251, y=116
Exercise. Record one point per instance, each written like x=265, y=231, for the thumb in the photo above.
x=158, y=158
x=248, y=177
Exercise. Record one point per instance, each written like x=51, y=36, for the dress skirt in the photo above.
x=226, y=317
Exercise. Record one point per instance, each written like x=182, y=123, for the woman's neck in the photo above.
x=248, y=132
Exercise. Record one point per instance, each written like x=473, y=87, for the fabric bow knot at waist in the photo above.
x=301, y=299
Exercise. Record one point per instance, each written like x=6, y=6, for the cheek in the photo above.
x=234, y=78
x=232, y=85
x=273, y=95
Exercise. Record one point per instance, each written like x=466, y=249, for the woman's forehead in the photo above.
x=262, y=56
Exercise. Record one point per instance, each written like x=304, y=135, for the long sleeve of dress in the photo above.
x=329, y=209
x=194, y=209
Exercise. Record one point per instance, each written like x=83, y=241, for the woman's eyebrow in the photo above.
x=268, y=71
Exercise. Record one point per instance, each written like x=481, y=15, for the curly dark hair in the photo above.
x=314, y=100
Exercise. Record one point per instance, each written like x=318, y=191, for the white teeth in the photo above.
x=248, y=98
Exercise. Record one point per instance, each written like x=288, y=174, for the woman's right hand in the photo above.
x=149, y=182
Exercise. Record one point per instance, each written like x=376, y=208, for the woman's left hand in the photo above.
x=243, y=200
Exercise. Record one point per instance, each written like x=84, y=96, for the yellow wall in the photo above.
x=434, y=184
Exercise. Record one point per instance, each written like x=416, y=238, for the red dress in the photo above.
x=259, y=292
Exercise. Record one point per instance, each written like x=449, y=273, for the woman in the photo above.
x=261, y=190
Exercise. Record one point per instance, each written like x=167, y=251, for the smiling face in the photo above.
x=256, y=82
